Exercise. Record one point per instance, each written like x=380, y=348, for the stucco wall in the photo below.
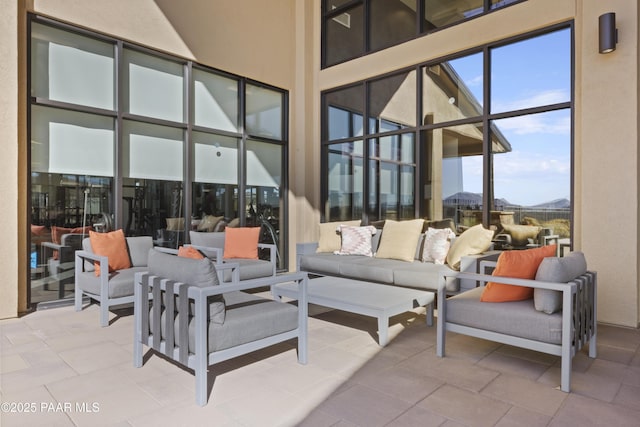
x=9, y=159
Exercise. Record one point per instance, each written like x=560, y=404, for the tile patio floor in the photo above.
x=78, y=374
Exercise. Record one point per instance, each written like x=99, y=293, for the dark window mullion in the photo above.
x=118, y=191
x=487, y=163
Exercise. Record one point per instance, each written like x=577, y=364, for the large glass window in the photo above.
x=125, y=147
x=216, y=101
x=71, y=68
x=509, y=163
x=154, y=86
x=345, y=181
x=346, y=34
x=264, y=202
x=264, y=112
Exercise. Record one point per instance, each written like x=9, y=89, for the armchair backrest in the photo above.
x=138, y=247
x=213, y=239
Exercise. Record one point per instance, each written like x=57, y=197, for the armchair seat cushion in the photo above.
x=517, y=318
x=120, y=282
x=248, y=318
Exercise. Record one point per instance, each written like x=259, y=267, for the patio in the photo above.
x=77, y=373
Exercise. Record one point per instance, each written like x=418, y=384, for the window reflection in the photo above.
x=264, y=112
x=391, y=177
x=392, y=102
x=531, y=73
x=263, y=193
x=539, y=160
x=345, y=181
x=439, y=14
x=391, y=22
x=453, y=176
x=345, y=109
x=453, y=89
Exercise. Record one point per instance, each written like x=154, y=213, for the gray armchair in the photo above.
x=61, y=266
x=184, y=312
x=212, y=245
x=113, y=288
x=560, y=319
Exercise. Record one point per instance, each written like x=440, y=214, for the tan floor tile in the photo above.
x=459, y=373
x=336, y=360
x=401, y=383
x=35, y=376
x=14, y=362
x=513, y=365
x=355, y=405
x=469, y=348
x=619, y=337
x=526, y=394
x=34, y=407
x=584, y=411
x=115, y=406
x=269, y=407
x=418, y=416
x=295, y=377
x=75, y=388
x=465, y=406
x=95, y=356
x=520, y=417
x=628, y=396
x=318, y=418
x=584, y=384
x=615, y=354
x=186, y=414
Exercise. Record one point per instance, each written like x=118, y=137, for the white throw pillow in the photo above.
x=436, y=244
x=356, y=240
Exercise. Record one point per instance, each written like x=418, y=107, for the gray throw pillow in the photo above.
x=194, y=272
x=559, y=270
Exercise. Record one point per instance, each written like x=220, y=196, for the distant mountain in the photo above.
x=466, y=198
x=555, y=204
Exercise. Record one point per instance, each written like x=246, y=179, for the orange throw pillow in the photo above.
x=519, y=264
x=241, y=242
x=112, y=245
x=189, y=252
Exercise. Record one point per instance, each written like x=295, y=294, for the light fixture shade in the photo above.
x=608, y=34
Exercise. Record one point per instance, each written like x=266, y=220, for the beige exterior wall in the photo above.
x=278, y=42
x=9, y=177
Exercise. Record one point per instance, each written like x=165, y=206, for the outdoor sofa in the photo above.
x=397, y=255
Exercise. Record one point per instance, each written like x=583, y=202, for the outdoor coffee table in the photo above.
x=368, y=299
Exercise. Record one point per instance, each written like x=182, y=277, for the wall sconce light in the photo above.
x=608, y=33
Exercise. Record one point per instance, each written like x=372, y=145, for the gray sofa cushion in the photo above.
x=367, y=268
x=324, y=263
x=524, y=320
x=560, y=270
x=423, y=275
x=120, y=282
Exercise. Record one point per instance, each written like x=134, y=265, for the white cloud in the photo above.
x=548, y=97
x=536, y=123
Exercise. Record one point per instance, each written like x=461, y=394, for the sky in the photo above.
x=530, y=73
